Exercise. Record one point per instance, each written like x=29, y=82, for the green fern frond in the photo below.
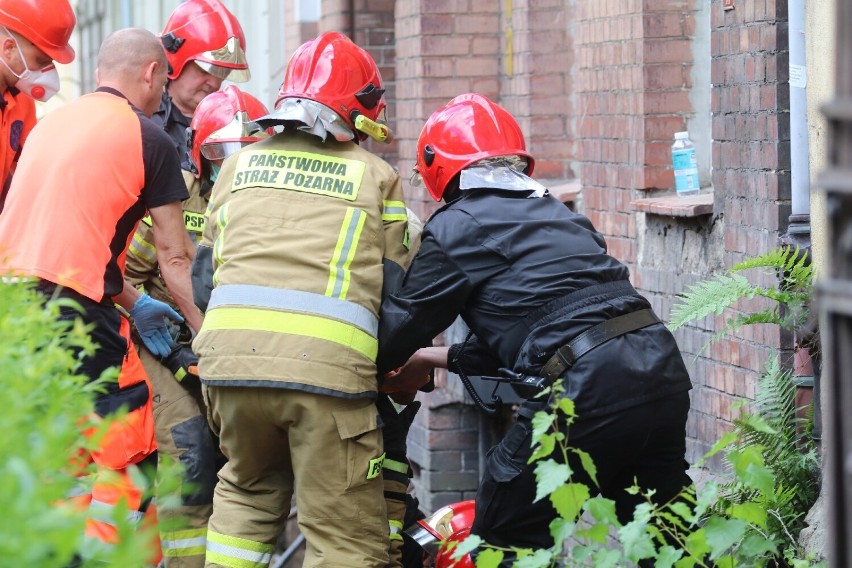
x=710, y=297
x=788, y=450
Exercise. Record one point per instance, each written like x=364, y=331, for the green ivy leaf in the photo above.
x=595, y=533
x=489, y=558
x=588, y=464
x=667, y=556
x=636, y=540
x=550, y=475
x=541, y=423
x=539, y=559
x=566, y=406
x=546, y=445
x=602, y=510
x=607, y=558
x=722, y=534
x=757, y=546
x=568, y=500
x=753, y=513
x=721, y=444
x=561, y=529
x=706, y=497
x=468, y=545
x=696, y=544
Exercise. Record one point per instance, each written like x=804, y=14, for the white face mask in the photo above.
x=41, y=84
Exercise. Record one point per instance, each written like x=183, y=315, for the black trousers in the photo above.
x=645, y=442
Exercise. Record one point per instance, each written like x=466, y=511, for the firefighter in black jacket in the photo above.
x=533, y=282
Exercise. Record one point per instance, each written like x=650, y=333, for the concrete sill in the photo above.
x=674, y=206
x=566, y=192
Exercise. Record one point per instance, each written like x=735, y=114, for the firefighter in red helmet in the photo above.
x=223, y=123
x=33, y=34
x=205, y=45
x=303, y=230
x=533, y=282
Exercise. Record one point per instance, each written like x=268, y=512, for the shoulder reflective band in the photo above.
x=194, y=221
x=344, y=252
x=375, y=468
x=236, y=552
x=299, y=171
x=305, y=325
x=394, y=211
x=148, y=221
x=247, y=295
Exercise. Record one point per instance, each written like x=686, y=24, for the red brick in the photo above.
x=665, y=76
x=666, y=24
x=436, y=24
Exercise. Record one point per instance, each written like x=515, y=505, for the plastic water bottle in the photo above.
x=685, y=165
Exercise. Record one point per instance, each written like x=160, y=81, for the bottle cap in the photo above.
x=682, y=135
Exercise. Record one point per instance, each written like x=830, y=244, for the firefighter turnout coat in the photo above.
x=301, y=235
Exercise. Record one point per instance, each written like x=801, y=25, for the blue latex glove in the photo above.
x=150, y=315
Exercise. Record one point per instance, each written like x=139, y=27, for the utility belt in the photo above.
x=565, y=357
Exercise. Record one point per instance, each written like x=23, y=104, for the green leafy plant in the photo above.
x=703, y=528
x=788, y=300
x=45, y=409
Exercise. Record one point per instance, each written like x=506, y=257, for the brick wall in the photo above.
x=599, y=89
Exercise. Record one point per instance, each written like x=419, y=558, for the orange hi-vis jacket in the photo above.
x=84, y=180
x=17, y=118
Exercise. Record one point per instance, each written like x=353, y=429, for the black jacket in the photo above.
x=527, y=275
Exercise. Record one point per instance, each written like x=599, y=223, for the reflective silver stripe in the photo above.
x=241, y=553
x=346, y=246
x=294, y=301
x=394, y=210
x=103, y=513
x=184, y=543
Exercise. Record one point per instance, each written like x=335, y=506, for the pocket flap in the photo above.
x=353, y=422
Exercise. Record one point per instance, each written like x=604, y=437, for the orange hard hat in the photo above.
x=334, y=71
x=46, y=23
x=469, y=129
x=224, y=123
x=204, y=31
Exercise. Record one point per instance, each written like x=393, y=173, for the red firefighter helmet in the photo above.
x=46, y=23
x=449, y=524
x=204, y=31
x=222, y=124
x=333, y=71
x=469, y=129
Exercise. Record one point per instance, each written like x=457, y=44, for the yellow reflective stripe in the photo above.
x=347, y=244
x=148, y=221
x=394, y=211
x=394, y=465
x=236, y=552
x=395, y=528
x=143, y=248
x=178, y=544
x=221, y=222
x=305, y=325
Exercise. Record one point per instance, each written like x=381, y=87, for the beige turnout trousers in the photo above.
x=328, y=448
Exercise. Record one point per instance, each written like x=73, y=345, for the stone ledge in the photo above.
x=674, y=206
x=566, y=192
